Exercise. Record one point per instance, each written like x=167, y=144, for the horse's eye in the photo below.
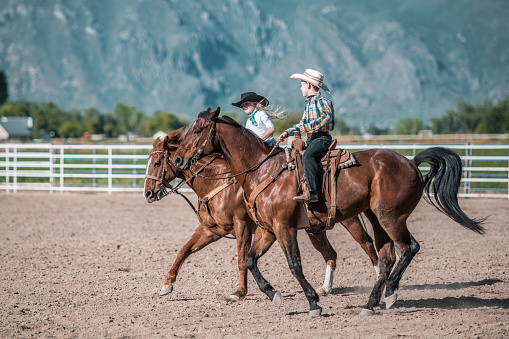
x=157, y=163
x=197, y=131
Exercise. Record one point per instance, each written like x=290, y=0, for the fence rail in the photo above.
x=121, y=168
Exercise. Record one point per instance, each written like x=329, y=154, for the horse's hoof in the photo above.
x=316, y=312
x=234, y=297
x=322, y=291
x=390, y=300
x=367, y=313
x=166, y=289
x=277, y=300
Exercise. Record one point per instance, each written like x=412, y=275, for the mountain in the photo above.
x=382, y=60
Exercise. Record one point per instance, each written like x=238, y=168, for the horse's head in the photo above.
x=198, y=139
x=160, y=170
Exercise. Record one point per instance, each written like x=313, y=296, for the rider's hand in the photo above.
x=283, y=136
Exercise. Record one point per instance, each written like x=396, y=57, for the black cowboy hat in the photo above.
x=251, y=97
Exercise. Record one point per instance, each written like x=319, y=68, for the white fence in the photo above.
x=121, y=168
x=100, y=168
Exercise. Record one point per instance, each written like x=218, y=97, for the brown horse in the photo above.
x=386, y=186
x=227, y=213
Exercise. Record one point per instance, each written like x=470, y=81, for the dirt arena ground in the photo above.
x=91, y=265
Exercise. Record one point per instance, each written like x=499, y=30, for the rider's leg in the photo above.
x=316, y=149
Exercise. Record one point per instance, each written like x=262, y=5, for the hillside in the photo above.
x=382, y=60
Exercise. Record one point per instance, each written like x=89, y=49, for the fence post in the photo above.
x=51, y=169
x=468, y=163
x=110, y=170
x=134, y=167
x=7, y=166
x=15, y=169
x=61, y=169
x=94, y=172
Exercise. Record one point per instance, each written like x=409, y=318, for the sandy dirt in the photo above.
x=91, y=265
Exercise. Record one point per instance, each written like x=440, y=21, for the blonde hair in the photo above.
x=274, y=112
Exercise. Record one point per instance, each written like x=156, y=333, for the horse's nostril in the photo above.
x=148, y=194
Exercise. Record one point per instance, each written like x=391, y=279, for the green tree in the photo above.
x=286, y=122
x=71, y=129
x=496, y=120
x=14, y=109
x=4, y=88
x=163, y=121
x=129, y=119
x=408, y=126
x=93, y=121
x=341, y=126
x=52, y=117
x=37, y=115
x=466, y=118
x=110, y=125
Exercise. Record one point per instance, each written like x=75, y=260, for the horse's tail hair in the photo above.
x=441, y=185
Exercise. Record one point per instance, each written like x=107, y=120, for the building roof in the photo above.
x=17, y=127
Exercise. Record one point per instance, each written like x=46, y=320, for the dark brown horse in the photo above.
x=227, y=213
x=386, y=186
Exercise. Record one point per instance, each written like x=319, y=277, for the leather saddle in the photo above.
x=346, y=158
x=333, y=161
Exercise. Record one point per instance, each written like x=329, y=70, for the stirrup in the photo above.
x=302, y=198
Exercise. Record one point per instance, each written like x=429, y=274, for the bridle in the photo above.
x=199, y=152
x=167, y=188
x=163, y=184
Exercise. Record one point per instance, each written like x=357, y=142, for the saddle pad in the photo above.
x=346, y=158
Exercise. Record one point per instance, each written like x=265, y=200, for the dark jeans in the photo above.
x=316, y=148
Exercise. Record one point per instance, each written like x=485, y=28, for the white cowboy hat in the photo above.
x=313, y=77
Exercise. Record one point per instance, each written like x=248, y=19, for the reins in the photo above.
x=251, y=201
x=233, y=175
x=166, y=185
x=200, y=219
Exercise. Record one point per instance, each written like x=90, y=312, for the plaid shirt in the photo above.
x=318, y=116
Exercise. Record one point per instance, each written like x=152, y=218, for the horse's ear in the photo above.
x=167, y=141
x=216, y=112
x=158, y=142
x=174, y=137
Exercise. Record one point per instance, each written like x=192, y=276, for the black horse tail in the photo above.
x=442, y=183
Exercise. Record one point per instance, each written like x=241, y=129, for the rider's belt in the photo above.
x=317, y=134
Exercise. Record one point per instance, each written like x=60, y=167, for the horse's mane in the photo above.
x=232, y=122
